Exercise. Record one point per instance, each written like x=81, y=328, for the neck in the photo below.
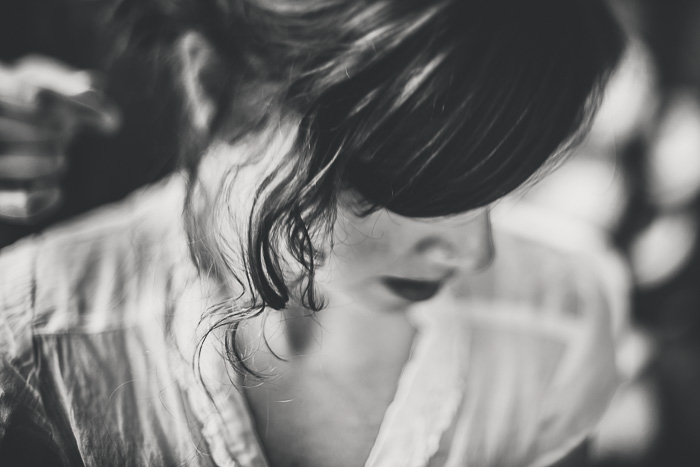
x=346, y=339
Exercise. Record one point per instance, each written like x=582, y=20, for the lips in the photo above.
x=412, y=290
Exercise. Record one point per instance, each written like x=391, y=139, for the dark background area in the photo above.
x=669, y=311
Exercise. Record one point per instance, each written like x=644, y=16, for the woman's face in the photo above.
x=387, y=261
x=383, y=260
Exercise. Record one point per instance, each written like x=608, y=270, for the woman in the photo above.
x=319, y=302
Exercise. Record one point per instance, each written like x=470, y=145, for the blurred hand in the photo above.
x=43, y=104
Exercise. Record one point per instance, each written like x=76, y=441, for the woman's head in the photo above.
x=417, y=108
x=426, y=108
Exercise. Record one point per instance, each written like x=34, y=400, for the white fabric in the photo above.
x=513, y=366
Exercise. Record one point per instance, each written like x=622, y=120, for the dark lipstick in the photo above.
x=411, y=289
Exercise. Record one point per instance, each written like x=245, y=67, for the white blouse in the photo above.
x=99, y=317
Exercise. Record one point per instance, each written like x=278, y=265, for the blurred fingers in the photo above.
x=29, y=205
x=90, y=109
x=14, y=129
x=43, y=91
x=22, y=165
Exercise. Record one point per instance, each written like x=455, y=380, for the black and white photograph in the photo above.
x=350, y=233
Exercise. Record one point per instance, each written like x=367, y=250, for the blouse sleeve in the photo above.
x=26, y=436
x=584, y=289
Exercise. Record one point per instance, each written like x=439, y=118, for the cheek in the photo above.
x=365, y=247
x=361, y=243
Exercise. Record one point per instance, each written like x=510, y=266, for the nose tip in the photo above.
x=472, y=259
x=472, y=256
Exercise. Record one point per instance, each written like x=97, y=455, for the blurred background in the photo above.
x=636, y=178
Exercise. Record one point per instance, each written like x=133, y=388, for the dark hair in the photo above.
x=425, y=108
